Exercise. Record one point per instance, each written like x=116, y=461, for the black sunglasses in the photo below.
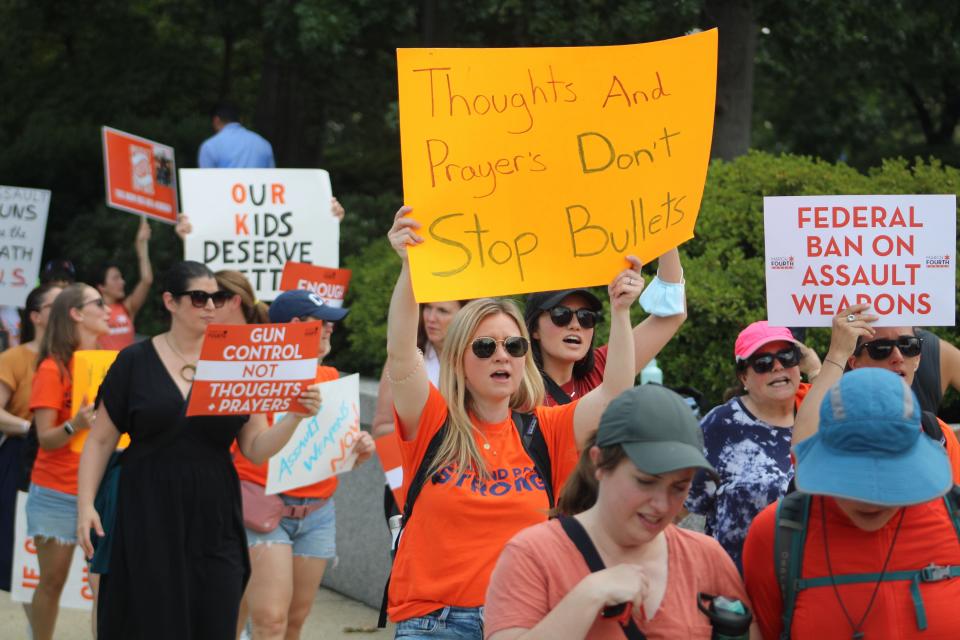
x=199, y=298
x=562, y=316
x=763, y=363
x=881, y=349
x=515, y=346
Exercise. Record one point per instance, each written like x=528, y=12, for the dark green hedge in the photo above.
x=723, y=263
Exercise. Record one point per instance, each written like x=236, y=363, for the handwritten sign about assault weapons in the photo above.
x=141, y=175
x=896, y=253
x=536, y=169
x=257, y=220
x=330, y=284
x=23, y=225
x=254, y=368
x=322, y=445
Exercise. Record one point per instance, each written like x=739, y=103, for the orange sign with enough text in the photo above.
x=141, y=175
x=538, y=169
x=254, y=368
x=330, y=284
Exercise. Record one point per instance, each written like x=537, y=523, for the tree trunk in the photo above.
x=738, y=43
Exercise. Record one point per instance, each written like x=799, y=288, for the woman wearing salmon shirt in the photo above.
x=77, y=318
x=483, y=488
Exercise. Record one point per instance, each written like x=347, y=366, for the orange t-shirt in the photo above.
x=541, y=565
x=448, y=551
x=121, y=328
x=258, y=473
x=926, y=536
x=54, y=468
x=16, y=371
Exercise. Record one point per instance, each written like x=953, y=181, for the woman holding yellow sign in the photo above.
x=178, y=509
x=78, y=318
x=493, y=456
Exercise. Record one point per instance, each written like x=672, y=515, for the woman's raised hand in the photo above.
x=84, y=417
x=403, y=233
x=364, y=447
x=627, y=285
x=849, y=325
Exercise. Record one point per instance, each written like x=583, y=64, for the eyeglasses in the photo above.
x=763, y=363
x=515, y=346
x=562, y=316
x=97, y=301
x=881, y=349
x=199, y=298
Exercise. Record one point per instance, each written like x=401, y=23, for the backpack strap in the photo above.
x=413, y=491
x=952, y=500
x=581, y=539
x=931, y=427
x=536, y=448
x=790, y=534
x=559, y=395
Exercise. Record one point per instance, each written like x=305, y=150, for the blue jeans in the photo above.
x=449, y=623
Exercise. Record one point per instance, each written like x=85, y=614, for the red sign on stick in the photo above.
x=330, y=284
x=254, y=368
x=141, y=175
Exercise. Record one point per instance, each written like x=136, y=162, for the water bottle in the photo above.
x=651, y=373
x=729, y=618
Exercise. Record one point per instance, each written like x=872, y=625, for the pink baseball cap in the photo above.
x=758, y=334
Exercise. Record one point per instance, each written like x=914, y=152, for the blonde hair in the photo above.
x=254, y=311
x=459, y=445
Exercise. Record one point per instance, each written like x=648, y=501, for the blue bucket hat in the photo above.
x=870, y=446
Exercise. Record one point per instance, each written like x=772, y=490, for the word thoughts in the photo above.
x=895, y=253
x=538, y=169
x=257, y=220
x=254, y=368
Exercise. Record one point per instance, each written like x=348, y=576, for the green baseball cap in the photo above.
x=656, y=429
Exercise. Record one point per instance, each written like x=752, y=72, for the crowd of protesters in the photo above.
x=546, y=486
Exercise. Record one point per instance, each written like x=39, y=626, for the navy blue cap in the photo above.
x=304, y=304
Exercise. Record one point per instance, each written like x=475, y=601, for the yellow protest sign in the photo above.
x=538, y=169
x=89, y=369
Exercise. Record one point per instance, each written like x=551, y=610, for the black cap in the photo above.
x=544, y=300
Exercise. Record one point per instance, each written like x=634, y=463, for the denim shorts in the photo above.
x=51, y=514
x=449, y=623
x=314, y=536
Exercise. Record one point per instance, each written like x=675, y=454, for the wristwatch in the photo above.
x=68, y=427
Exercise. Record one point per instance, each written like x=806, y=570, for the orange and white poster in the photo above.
x=540, y=168
x=141, y=175
x=254, y=368
x=388, y=450
x=330, y=284
x=77, y=592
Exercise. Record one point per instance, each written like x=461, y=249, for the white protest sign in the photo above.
x=322, y=446
x=77, y=593
x=257, y=220
x=23, y=224
x=894, y=252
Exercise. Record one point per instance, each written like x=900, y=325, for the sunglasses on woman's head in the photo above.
x=561, y=316
x=763, y=363
x=515, y=346
x=199, y=298
x=881, y=349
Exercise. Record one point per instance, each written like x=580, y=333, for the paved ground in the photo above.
x=333, y=617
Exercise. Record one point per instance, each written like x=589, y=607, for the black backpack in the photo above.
x=533, y=444
x=790, y=535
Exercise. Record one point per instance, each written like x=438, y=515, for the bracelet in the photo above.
x=26, y=428
x=409, y=375
x=836, y=364
x=69, y=428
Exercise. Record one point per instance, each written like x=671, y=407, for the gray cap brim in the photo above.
x=656, y=458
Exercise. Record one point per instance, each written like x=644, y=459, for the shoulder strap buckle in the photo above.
x=934, y=573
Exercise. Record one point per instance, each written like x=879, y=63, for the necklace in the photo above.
x=857, y=634
x=187, y=367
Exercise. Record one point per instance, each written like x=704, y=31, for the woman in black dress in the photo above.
x=178, y=559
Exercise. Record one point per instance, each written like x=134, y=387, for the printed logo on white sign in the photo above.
x=257, y=220
x=322, y=446
x=23, y=223
x=76, y=594
x=893, y=252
